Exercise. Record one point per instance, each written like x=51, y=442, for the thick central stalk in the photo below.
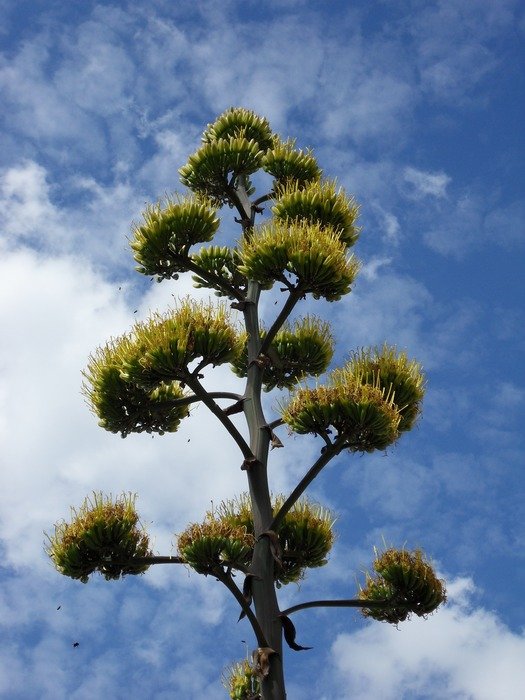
x=264, y=595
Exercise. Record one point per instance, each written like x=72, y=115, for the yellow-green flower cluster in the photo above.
x=368, y=402
x=133, y=382
x=168, y=343
x=304, y=349
x=210, y=170
x=104, y=536
x=313, y=254
x=407, y=582
x=319, y=203
x=290, y=166
x=305, y=536
x=393, y=372
x=237, y=144
x=237, y=121
x=222, y=262
x=242, y=681
x=363, y=418
x=162, y=241
x=214, y=544
x=123, y=406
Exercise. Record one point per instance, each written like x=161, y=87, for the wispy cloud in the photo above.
x=424, y=183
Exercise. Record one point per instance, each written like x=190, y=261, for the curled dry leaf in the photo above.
x=289, y=634
x=247, y=592
x=261, y=660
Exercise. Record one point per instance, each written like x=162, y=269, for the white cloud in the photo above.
x=53, y=313
x=370, y=269
x=25, y=206
x=425, y=183
x=462, y=651
x=96, y=228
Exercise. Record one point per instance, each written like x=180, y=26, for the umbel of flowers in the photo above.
x=295, y=237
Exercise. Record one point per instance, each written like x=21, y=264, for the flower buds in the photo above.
x=315, y=256
x=103, y=536
x=406, y=582
x=319, y=203
x=290, y=166
x=161, y=243
x=296, y=352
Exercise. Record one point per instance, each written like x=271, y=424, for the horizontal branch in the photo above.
x=264, y=198
x=345, y=603
x=194, y=398
x=275, y=423
x=143, y=561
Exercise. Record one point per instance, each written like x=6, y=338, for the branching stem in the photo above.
x=206, y=398
x=295, y=295
x=230, y=584
x=323, y=459
x=345, y=603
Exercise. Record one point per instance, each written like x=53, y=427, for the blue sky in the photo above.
x=416, y=108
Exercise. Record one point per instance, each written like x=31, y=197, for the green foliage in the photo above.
x=290, y=166
x=315, y=256
x=226, y=537
x=321, y=204
x=362, y=416
x=399, y=377
x=104, y=536
x=407, y=581
x=304, y=349
x=161, y=243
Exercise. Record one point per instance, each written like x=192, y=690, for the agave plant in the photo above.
x=148, y=378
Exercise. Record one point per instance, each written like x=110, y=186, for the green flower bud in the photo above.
x=104, y=536
x=316, y=256
x=363, y=418
x=321, y=204
x=211, y=169
x=305, y=349
x=222, y=262
x=238, y=122
x=124, y=406
x=392, y=371
x=289, y=166
x=215, y=544
x=161, y=243
x=406, y=582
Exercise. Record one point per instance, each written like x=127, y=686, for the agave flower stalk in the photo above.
x=147, y=380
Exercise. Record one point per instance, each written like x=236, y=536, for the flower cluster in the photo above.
x=406, y=582
x=104, y=536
